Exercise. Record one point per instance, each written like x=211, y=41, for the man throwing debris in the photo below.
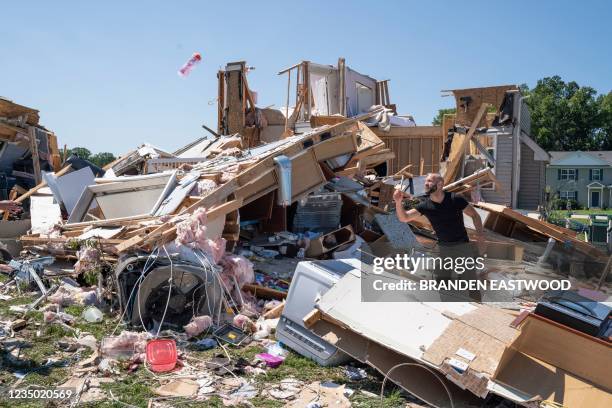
x=445, y=211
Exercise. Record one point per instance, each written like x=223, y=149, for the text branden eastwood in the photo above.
x=472, y=284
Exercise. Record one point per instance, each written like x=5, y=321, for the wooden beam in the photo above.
x=34, y=151
x=342, y=86
x=312, y=317
x=604, y=273
x=456, y=155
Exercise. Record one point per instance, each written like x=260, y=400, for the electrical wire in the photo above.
x=382, y=388
x=136, y=284
x=170, y=281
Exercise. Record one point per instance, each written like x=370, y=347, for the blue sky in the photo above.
x=103, y=74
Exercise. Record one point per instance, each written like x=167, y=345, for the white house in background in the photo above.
x=582, y=176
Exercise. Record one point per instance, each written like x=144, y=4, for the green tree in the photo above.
x=437, y=121
x=102, y=159
x=80, y=152
x=566, y=116
x=606, y=113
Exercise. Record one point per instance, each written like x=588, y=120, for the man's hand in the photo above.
x=399, y=195
x=9, y=205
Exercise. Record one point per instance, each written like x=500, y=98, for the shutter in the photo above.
x=558, y=174
x=576, y=175
x=590, y=174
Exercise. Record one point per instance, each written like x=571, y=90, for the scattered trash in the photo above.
x=92, y=315
x=182, y=387
x=207, y=241
x=190, y=64
x=270, y=360
x=276, y=349
x=247, y=391
x=124, y=346
x=206, y=344
x=231, y=334
x=198, y=325
x=355, y=374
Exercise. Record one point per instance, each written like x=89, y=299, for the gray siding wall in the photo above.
x=503, y=172
x=579, y=185
x=532, y=180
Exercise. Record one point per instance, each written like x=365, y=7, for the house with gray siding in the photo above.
x=585, y=177
x=520, y=168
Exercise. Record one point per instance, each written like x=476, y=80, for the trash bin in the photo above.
x=599, y=228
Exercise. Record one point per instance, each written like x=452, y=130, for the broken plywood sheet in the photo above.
x=409, y=336
x=541, y=227
x=412, y=377
x=553, y=362
x=492, y=321
x=542, y=381
x=459, y=335
x=468, y=100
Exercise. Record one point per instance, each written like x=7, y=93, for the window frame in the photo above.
x=599, y=176
x=570, y=174
x=574, y=195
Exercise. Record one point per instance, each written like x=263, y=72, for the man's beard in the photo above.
x=432, y=189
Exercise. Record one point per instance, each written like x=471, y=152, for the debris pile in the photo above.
x=266, y=231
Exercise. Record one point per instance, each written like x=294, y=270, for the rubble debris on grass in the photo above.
x=185, y=268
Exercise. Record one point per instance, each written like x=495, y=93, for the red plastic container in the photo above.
x=161, y=355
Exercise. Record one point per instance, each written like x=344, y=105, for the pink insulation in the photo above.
x=244, y=323
x=200, y=216
x=89, y=258
x=67, y=297
x=203, y=187
x=62, y=299
x=198, y=325
x=192, y=233
x=216, y=248
x=49, y=317
x=184, y=233
x=127, y=340
x=238, y=267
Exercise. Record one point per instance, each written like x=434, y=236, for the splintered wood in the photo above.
x=506, y=221
x=239, y=179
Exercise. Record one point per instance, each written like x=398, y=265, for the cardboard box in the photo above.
x=319, y=246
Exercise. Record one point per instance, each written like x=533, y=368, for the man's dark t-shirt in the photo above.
x=446, y=217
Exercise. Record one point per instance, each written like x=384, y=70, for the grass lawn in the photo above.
x=562, y=214
x=136, y=388
x=591, y=211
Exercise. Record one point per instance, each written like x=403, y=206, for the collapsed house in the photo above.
x=184, y=241
x=27, y=150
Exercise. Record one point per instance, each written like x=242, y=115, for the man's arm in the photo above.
x=473, y=214
x=403, y=215
x=9, y=205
